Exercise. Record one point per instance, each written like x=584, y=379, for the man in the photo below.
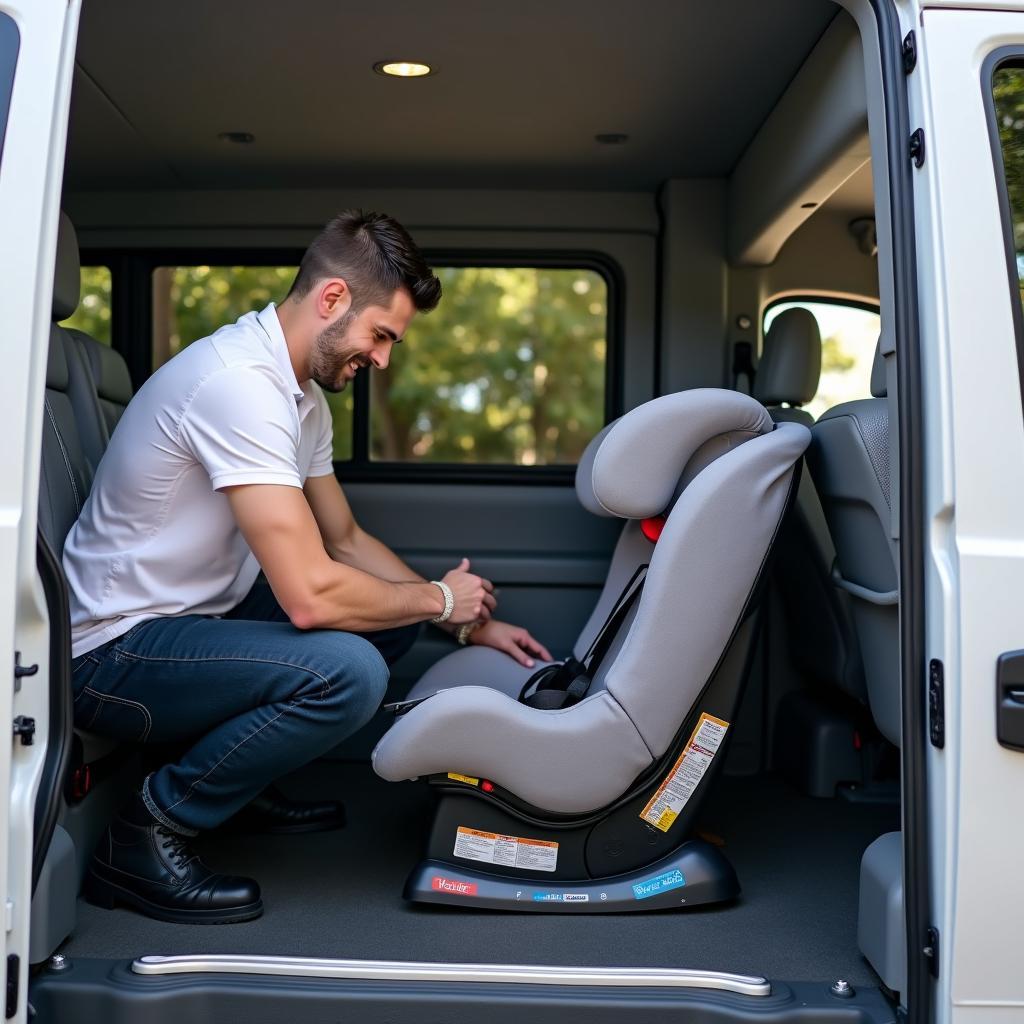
x=221, y=466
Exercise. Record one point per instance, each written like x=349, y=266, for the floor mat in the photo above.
x=339, y=894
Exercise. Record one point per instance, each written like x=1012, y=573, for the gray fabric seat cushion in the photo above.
x=475, y=666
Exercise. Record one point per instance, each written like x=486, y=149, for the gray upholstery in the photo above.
x=67, y=274
x=849, y=461
x=93, y=434
x=790, y=364
x=723, y=514
x=110, y=377
x=65, y=472
x=819, y=620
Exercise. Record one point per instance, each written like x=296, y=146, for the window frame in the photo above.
x=131, y=332
x=1005, y=56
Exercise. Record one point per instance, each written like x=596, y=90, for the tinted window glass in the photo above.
x=1008, y=94
x=9, y=44
x=509, y=369
x=93, y=313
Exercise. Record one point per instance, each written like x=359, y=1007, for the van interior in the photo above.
x=634, y=199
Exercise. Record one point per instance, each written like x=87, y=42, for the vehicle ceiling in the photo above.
x=521, y=90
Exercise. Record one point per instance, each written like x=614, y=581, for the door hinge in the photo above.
x=909, y=52
x=25, y=730
x=936, y=703
x=13, y=981
x=931, y=951
x=917, y=147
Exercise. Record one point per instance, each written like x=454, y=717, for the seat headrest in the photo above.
x=67, y=273
x=790, y=365
x=879, y=383
x=633, y=467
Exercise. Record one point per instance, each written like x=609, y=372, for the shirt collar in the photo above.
x=270, y=323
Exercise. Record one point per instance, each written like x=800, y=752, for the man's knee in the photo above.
x=357, y=678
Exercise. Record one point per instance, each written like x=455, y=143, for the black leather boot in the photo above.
x=154, y=870
x=272, y=813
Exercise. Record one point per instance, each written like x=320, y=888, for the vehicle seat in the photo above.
x=714, y=462
x=819, y=619
x=790, y=366
x=66, y=470
x=849, y=462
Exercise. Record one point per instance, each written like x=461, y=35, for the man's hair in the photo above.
x=374, y=255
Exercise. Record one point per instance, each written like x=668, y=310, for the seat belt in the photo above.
x=566, y=682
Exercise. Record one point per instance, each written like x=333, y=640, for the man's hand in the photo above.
x=513, y=640
x=473, y=594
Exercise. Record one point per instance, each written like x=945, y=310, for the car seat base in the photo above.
x=695, y=874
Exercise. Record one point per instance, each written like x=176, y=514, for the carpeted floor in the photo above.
x=339, y=894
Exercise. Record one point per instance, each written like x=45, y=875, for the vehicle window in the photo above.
x=93, y=313
x=191, y=302
x=849, y=335
x=1008, y=96
x=10, y=41
x=509, y=369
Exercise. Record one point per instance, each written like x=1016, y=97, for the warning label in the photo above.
x=665, y=806
x=468, y=779
x=509, y=851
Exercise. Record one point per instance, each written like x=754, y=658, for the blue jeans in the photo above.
x=256, y=696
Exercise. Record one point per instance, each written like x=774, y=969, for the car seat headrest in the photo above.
x=879, y=383
x=790, y=365
x=637, y=465
x=67, y=273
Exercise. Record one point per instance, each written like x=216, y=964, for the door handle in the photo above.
x=1010, y=700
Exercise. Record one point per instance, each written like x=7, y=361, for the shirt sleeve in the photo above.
x=240, y=428
x=323, y=453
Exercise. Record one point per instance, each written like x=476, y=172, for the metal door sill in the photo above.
x=399, y=970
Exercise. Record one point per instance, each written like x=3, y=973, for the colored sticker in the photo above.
x=672, y=795
x=468, y=779
x=508, y=851
x=661, y=883
x=453, y=885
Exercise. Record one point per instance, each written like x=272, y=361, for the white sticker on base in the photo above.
x=508, y=851
x=665, y=806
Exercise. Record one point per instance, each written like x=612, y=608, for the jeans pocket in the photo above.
x=102, y=713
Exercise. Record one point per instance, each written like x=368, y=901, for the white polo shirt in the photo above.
x=156, y=536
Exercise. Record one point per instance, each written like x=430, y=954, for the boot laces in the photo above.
x=177, y=848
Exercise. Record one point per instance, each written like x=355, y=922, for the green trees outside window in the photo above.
x=1008, y=94
x=509, y=369
x=93, y=313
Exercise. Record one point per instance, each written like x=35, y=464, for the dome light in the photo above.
x=402, y=69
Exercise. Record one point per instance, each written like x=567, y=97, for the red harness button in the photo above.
x=651, y=528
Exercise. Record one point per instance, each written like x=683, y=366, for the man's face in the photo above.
x=360, y=339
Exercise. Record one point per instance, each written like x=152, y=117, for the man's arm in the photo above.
x=317, y=592
x=347, y=542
